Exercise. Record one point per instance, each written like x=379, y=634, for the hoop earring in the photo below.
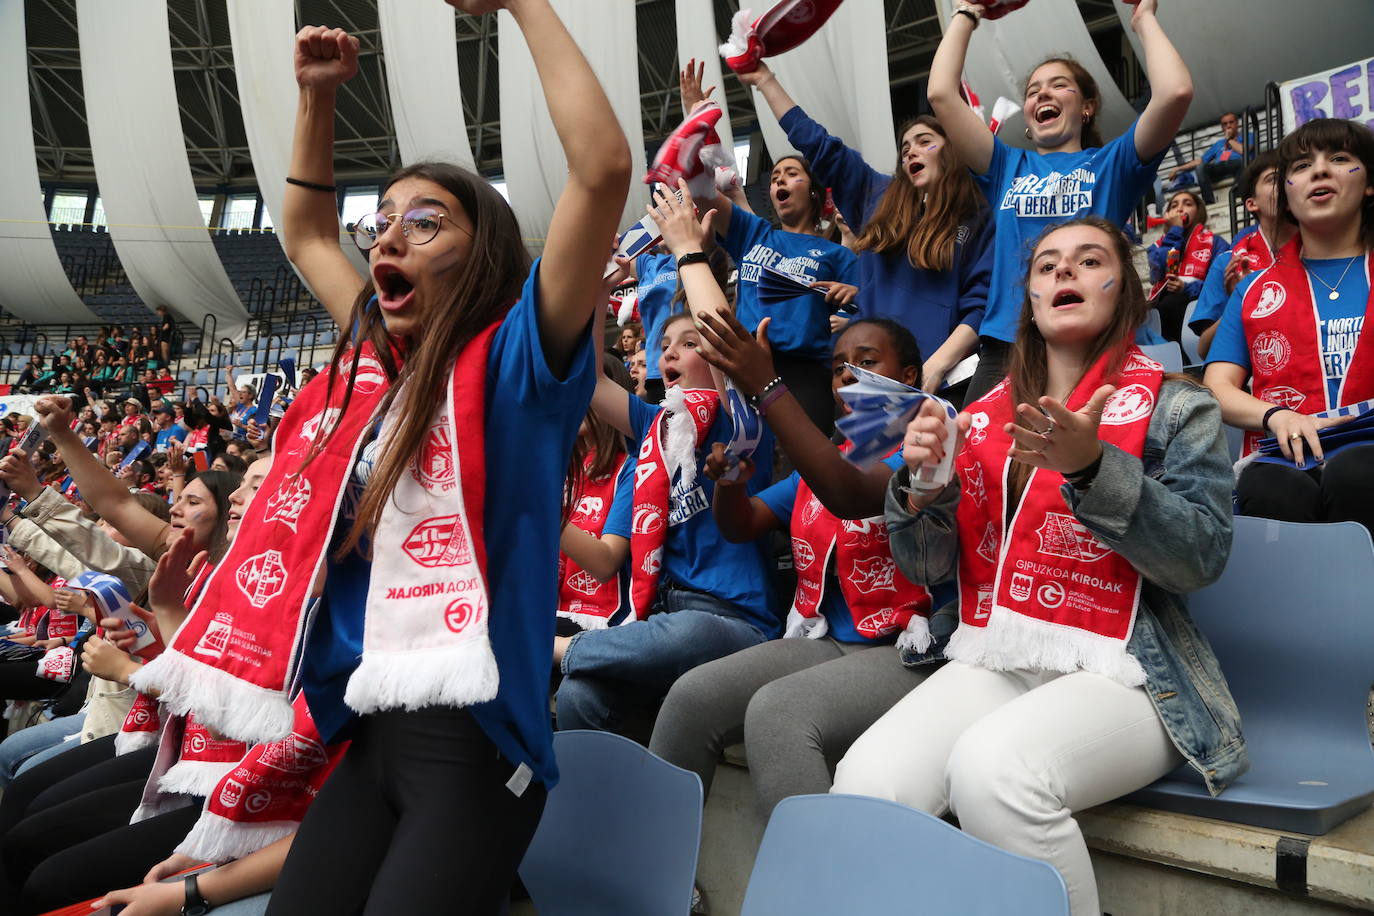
x=1028, y=136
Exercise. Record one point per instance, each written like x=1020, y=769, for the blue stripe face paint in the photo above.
x=1354, y=170
x=1111, y=281
x=1035, y=295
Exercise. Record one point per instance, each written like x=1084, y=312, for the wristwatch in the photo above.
x=195, y=904
x=693, y=257
x=969, y=11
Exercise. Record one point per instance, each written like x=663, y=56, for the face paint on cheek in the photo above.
x=1035, y=295
x=1110, y=283
x=1354, y=170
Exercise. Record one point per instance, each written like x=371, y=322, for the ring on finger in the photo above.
x=1049, y=429
x=1295, y=437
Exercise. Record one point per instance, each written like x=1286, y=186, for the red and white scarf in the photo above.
x=425, y=629
x=1043, y=593
x=1253, y=251
x=582, y=598
x=264, y=796
x=143, y=723
x=881, y=600
x=1196, y=259
x=1283, y=333
x=667, y=459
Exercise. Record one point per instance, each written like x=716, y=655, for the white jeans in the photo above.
x=1013, y=754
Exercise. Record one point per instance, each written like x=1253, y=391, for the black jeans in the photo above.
x=994, y=359
x=1341, y=490
x=1171, y=307
x=416, y=818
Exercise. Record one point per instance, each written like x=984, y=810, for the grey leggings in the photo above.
x=798, y=703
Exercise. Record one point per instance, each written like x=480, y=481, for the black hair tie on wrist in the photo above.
x=310, y=185
x=1264, y=423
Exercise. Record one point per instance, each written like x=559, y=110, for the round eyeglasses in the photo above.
x=418, y=226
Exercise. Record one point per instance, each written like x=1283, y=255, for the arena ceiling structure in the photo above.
x=366, y=146
x=159, y=106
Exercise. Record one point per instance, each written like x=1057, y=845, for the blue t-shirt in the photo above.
x=1158, y=257
x=695, y=554
x=801, y=325
x=657, y=284
x=780, y=499
x=929, y=303
x=532, y=422
x=1029, y=191
x=1221, y=151
x=1339, y=322
x=166, y=436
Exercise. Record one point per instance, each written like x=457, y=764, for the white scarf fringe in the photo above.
x=194, y=777
x=680, y=445
x=1013, y=641
x=587, y=621
x=805, y=627
x=237, y=709
x=127, y=742
x=741, y=27
x=916, y=637
x=457, y=675
x=219, y=840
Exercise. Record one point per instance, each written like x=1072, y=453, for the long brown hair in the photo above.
x=1029, y=375
x=602, y=440
x=925, y=223
x=477, y=294
x=1089, y=136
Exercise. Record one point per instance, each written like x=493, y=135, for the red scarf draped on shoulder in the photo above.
x=582, y=598
x=1282, y=327
x=669, y=449
x=881, y=600
x=1042, y=592
x=425, y=632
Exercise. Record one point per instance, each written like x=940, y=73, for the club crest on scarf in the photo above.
x=1271, y=299
x=262, y=578
x=439, y=541
x=286, y=504
x=433, y=468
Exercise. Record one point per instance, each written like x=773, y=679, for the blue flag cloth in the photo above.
x=288, y=368
x=746, y=430
x=265, y=396
x=879, y=410
x=1358, y=430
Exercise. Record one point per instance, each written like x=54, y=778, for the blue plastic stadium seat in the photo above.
x=294, y=341
x=828, y=854
x=1166, y=354
x=1292, y=623
x=1189, y=340
x=620, y=832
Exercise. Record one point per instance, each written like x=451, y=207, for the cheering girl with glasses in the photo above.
x=460, y=381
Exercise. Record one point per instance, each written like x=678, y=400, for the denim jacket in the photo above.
x=1169, y=514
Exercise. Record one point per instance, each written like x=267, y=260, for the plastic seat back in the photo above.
x=620, y=832
x=828, y=854
x=1167, y=355
x=1292, y=622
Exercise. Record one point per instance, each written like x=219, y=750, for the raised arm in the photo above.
x=101, y=489
x=968, y=134
x=1171, y=85
x=325, y=58
x=844, y=489
x=764, y=81
x=598, y=157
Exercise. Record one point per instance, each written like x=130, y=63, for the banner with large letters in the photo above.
x=1341, y=92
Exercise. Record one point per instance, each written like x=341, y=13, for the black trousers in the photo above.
x=416, y=818
x=1171, y=308
x=1341, y=490
x=66, y=828
x=994, y=359
x=20, y=681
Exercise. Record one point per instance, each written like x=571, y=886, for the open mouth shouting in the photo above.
x=395, y=291
x=671, y=376
x=1046, y=113
x=781, y=194
x=1066, y=298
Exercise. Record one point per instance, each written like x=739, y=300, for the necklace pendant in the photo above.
x=1333, y=295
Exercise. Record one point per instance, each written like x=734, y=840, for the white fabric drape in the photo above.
x=697, y=38
x=141, y=164
x=1004, y=51
x=839, y=78
x=422, y=81
x=536, y=168
x=33, y=285
x=263, y=35
x=1232, y=52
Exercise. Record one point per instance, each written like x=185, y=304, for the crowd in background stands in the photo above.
x=479, y=492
